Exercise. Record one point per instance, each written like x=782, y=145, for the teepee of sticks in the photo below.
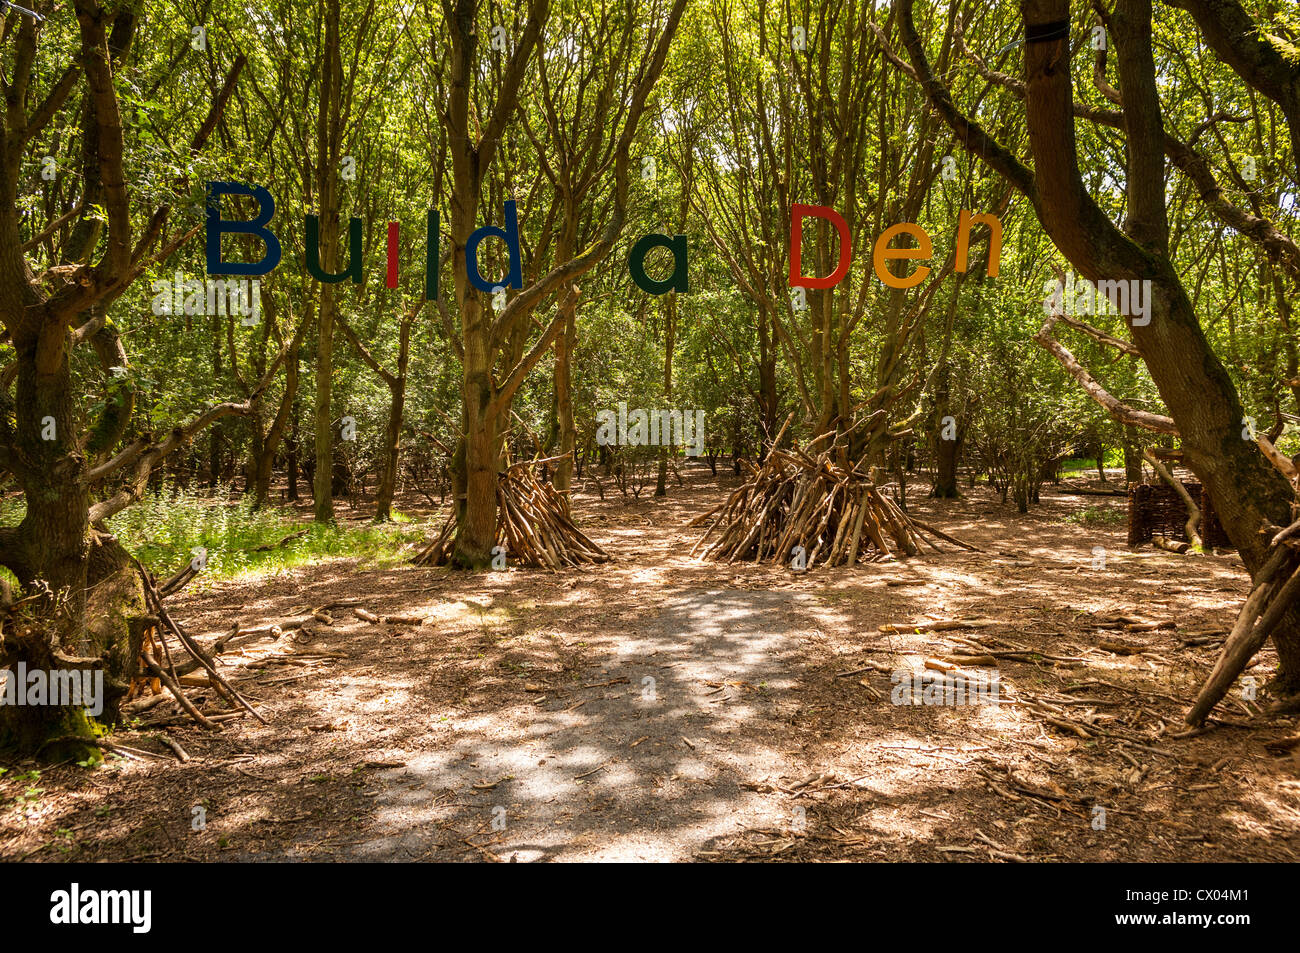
x=813, y=509
x=533, y=525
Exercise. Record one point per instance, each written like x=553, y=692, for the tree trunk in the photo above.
x=265, y=460
x=670, y=314
x=479, y=456
x=328, y=143
x=1192, y=381
x=945, y=475
x=53, y=534
x=392, y=452
x=568, y=433
x=52, y=545
x=214, y=437
x=322, y=490
x=291, y=445
x=767, y=398
x=1132, y=456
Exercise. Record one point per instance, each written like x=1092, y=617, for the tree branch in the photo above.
x=144, y=454
x=531, y=297
x=1100, y=336
x=1118, y=410
x=1279, y=246
x=52, y=103
x=973, y=137
x=1235, y=39
x=361, y=349
x=529, y=360
x=538, y=12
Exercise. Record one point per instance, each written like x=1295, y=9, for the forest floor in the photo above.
x=663, y=708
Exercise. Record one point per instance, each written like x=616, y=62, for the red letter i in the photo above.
x=392, y=256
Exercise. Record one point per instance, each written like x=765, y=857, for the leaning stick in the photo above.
x=153, y=666
x=1267, y=603
x=1193, y=511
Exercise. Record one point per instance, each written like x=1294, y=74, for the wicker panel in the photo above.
x=1156, y=510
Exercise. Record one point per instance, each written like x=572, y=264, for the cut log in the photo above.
x=1171, y=545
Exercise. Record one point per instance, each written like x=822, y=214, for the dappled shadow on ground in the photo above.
x=661, y=708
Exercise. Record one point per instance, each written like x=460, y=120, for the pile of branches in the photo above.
x=1275, y=590
x=533, y=525
x=829, y=508
x=161, y=667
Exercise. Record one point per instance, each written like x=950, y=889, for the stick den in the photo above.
x=882, y=252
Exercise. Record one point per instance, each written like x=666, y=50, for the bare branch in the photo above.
x=1100, y=336
x=1118, y=410
x=970, y=133
x=54, y=226
x=52, y=103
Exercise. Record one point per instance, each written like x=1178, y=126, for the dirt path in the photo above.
x=645, y=762
x=665, y=709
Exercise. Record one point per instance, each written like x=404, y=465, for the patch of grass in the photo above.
x=1078, y=465
x=166, y=529
x=1098, y=516
x=12, y=510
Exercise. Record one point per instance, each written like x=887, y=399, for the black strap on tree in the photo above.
x=1047, y=32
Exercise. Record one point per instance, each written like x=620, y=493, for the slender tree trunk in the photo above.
x=322, y=478
x=670, y=309
x=328, y=137
x=767, y=399
x=392, y=452
x=265, y=459
x=214, y=437
x=564, y=346
x=292, y=444
x=393, y=435
x=1132, y=456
